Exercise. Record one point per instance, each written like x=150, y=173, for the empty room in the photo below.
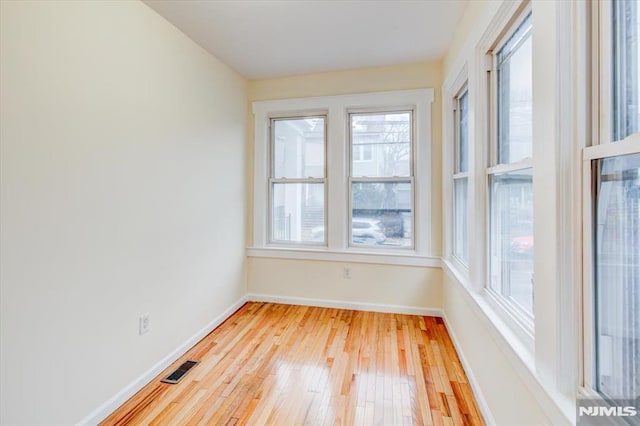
x=319, y=212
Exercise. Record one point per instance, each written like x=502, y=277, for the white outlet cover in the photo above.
x=144, y=324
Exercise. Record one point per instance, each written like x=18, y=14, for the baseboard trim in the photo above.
x=477, y=391
x=104, y=410
x=342, y=304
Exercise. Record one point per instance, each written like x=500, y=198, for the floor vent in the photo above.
x=180, y=372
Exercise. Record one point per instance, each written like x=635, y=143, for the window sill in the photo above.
x=351, y=256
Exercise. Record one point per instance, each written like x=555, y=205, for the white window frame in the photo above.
x=451, y=93
x=337, y=109
x=525, y=322
x=602, y=146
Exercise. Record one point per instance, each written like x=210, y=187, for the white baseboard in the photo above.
x=477, y=391
x=103, y=411
x=341, y=304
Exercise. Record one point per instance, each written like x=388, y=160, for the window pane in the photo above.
x=626, y=70
x=388, y=138
x=515, y=97
x=511, y=237
x=463, y=133
x=617, y=266
x=460, y=227
x=298, y=148
x=381, y=214
x=298, y=212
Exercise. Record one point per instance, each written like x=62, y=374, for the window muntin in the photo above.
x=381, y=190
x=617, y=277
x=510, y=173
x=625, y=67
x=297, y=183
x=460, y=177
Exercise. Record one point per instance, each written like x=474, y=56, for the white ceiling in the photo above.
x=272, y=38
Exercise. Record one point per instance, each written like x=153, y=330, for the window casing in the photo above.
x=611, y=210
x=334, y=239
x=510, y=171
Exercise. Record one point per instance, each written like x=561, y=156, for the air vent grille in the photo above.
x=180, y=372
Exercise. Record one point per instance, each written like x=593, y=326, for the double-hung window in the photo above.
x=510, y=171
x=381, y=211
x=612, y=210
x=345, y=176
x=461, y=177
x=298, y=180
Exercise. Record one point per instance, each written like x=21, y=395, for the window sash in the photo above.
x=411, y=182
x=460, y=213
x=272, y=181
x=512, y=40
x=590, y=156
x=381, y=179
x=351, y=159
x=457, y=131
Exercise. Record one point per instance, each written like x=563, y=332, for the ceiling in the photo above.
x=273, y=38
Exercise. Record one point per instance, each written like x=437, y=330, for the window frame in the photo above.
x=424, y=252
x=492, y=167
x=456, y=175
x=601, y=146
x=384, y=179
x=272, y=180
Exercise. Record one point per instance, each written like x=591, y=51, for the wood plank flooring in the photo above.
x=272, y=364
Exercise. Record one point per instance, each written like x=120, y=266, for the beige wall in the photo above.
x=374, y=285
x=467, y=25
x=406, y=286
x=123, y=180
x=507, y=396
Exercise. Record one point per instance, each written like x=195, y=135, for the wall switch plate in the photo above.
x=144, y=324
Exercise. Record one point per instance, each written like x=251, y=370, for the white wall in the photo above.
x=123, y=192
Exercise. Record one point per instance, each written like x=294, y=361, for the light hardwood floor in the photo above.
x=272, y=364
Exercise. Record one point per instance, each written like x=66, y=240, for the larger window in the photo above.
x=382, y=189
x=612, y=212
x=510, y=171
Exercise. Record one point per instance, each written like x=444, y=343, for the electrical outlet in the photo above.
x=346, y=273
x=144, y=324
